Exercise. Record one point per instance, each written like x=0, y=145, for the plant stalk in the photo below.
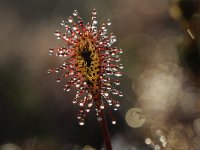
x=105, y=132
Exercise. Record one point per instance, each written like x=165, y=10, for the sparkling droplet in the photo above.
x=67, y=89
x=81, y=104
x=57, y=34
x=108, y=22
x=118, y=74
x=87, y=110
x=94, y=21
x=81, y=123
x=120, y=51
x=75, y=13
x=90, y=104
x=78, y=85
x=70, y=20
x=89, y=96
x=74, y=28
x=58, y=80
x=94, y=12
x=62, y=23
x=120, y=94
x=117, y=105
x=51, y=50
x=121, y=66
x=74, y=101
x=117, y=82
x=102, y=106
x=106, y=94
x=78, y=116
x=99, y=118
x=114, y=122
x=49, y=71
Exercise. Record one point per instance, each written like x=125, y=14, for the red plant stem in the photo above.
x=102, y=122
x=104, y=129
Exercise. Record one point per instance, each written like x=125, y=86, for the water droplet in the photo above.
x=117, y=82
x=49, y=71
x=120, y=51
x=78, y=85
x=87, y=110
x=51, y=50
x=99, y=118
x=94, y=21
x=117, y=105
x=121, y=66
x=89, y=96
x=114, y=122
x=67, y=89
x=74, y=28
x=120, y=94
x=94, y=12
x=58, y=80
x=78, y=116
x=81, y=104
x=75, y=13
x=108, y=22
x=102, y=106
x=103, y=27
x=90, y=104
x=118, y=74
x=62, y=23
x=106, y=94
x=70, y=19
x=57, y=34
x=81, y=123
x=74, y=100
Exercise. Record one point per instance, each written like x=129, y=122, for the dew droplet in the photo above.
x=49, y=71
x=117, y=82
x=74, y=28
x=81, y=123
x=90, y=104
x=70, y=19
x=58, y=80
x=118, y=74
x=106, y=94
x=108, y=22
x=94, y=21
x=94, y=12
x=74, y=101
x=99, y=118
x=51, y=50
x=120, y=94
x=87, y=110
x=121, y=66
x=75, y=13
x=102, y=106
x=81, y=104
x=117, y=104
x=62, y=23
x=114, y=122
x=57, y=34
x=67, y=89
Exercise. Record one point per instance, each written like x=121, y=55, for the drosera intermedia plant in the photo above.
x=91, y=61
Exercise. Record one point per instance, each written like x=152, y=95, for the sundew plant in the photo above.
x=91, y=61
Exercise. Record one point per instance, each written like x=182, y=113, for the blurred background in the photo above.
x=161, y=84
